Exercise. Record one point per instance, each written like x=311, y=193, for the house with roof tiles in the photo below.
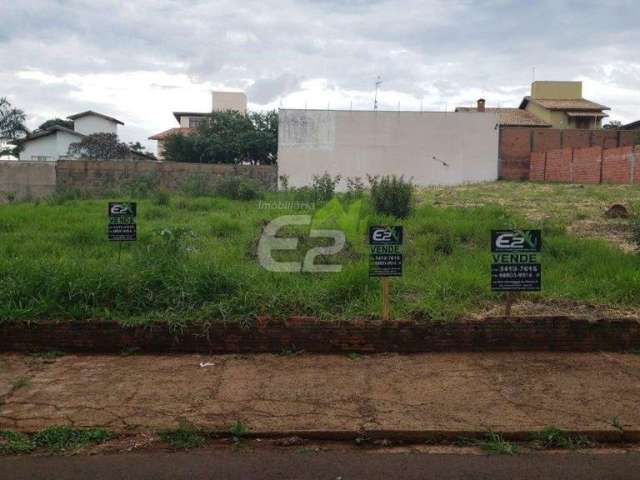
x=551, y=104
x=189, y=121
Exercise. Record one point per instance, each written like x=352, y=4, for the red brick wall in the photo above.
x=537, y=166
x=586, y=165
x=558, y=166
x=517, y=144
x=616, y=165
x=313, y=335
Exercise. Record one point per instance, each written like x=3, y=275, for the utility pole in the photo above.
x=375, y=98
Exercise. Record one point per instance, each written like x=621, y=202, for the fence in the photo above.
x=518, y=143
x=23, y=180
x=587, y=165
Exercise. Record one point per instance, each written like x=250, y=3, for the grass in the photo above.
x=196, y=258
x=552, y=437
x=57, y=439
x=497, y=445
x=185, y=437
x=238, y=431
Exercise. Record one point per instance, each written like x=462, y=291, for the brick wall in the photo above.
x=312, y=335
x=587, y=165
x=518, y=143
x=104, y=175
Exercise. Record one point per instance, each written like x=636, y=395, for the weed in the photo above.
x=184, y=437
x=391, y=195
x=355, y=188
x=615, y=423
x=238, y=431
x=196, y=185
x=60, y=438
x=49, y=354
x=552, y=437
x=14, y=442
x=497, y=445
x=21, y=382
x=238, y=188
x=324, y=186
x=355, y=356
x=161, y=198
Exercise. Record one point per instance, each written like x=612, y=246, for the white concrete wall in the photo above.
x=221, y=101
x=354, y=144
x=52, y=147
x=93, y=124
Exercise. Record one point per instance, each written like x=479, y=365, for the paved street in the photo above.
x=328, y=466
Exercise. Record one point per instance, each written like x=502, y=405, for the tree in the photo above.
x=228, y=137
x=12, y=127
x=613, y=124
x=137, y=147
x=56, y=122
x=100, y=146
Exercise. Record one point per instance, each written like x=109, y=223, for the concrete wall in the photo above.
x=221, y=101
x=354, y=144
x=93, y=124
x=556, y=90
x=23, y=180
x=96, y=176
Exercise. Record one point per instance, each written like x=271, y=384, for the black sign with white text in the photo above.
x=122, y=222
x=385, y=257
x=515, y=265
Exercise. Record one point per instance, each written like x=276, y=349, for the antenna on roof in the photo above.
x=375, y=97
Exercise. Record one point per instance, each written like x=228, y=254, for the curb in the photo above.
x=309, y=334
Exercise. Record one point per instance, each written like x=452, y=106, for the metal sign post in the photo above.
x=385, y=258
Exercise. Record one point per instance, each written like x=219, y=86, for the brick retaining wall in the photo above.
x=517, y=144
x=312, y=335
x=587, y=165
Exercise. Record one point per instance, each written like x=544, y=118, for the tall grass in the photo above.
x=195, y=260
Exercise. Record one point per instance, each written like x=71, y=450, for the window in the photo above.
x=195, y=122
x=41, y=158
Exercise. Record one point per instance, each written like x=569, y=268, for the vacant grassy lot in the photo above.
x=579, y=207
x=196, y=257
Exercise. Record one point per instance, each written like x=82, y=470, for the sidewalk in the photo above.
x=335, y=395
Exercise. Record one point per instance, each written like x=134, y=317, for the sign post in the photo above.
x=122, y=223
x=515, y=264
x=385, y=258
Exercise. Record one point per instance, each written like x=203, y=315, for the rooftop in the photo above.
x=510, y=117
x=95, y=114
x=568, y=104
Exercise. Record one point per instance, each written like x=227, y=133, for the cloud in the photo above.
x=141, y=59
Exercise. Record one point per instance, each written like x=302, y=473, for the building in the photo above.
x=431, y=148
x=561, y=105
x=53, y=143
x=508, y=117
x=631, y=126
x=189, y=121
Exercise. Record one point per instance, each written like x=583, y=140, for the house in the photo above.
x=189, y=121
x=561, y=104
x=53, y=143
x=631, y=126
x=508, y=117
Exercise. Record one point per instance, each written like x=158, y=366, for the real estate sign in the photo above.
x=385, y=256
x=122, y=221
x=515, y=264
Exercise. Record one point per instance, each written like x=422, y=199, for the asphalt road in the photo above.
x=325, y=465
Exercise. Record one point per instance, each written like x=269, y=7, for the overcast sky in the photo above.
x=141, y=60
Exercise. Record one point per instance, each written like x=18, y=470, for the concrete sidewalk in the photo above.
x=339, y=395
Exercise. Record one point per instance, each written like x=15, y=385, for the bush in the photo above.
x=238, y=188
x=391, y=195
x=355, y=188
x=324, y=186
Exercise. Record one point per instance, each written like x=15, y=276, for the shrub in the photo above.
x=391, y=195
x=238, y=188
x=196, y=186
x=355, y=187
x=324, y=186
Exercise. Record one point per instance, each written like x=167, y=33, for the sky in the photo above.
x=141, y=60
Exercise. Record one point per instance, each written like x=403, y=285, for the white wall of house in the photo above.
x=94, y=124
x=48, y=148
x=221, y=101
x=433, y=148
